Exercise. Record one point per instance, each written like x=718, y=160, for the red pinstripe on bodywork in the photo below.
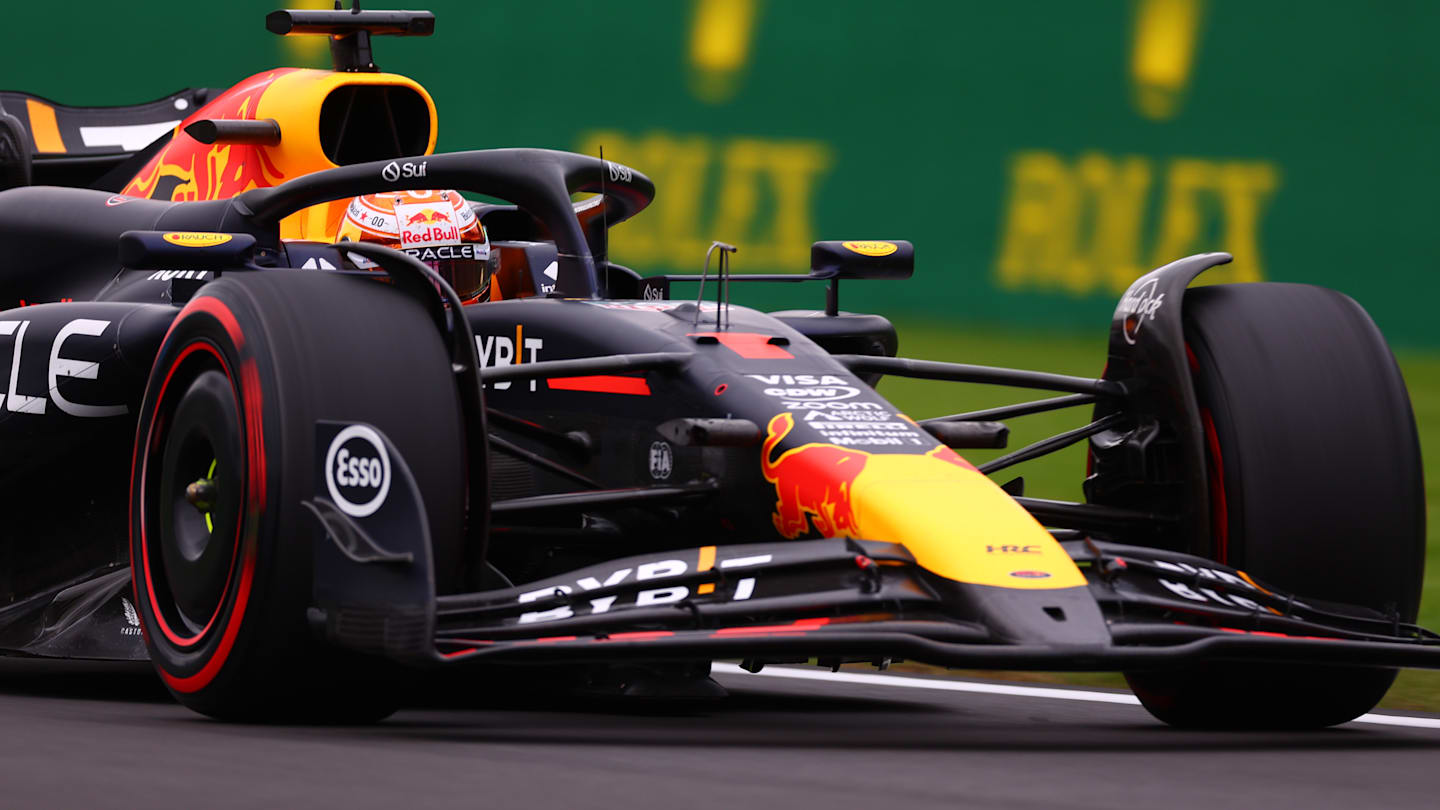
x=602, y=384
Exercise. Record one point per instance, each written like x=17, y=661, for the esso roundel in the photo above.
x=357, y=471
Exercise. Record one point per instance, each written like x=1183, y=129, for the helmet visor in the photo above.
x=466, y=267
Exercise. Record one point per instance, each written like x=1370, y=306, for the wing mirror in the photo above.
x=862, y=259
x=185, y=250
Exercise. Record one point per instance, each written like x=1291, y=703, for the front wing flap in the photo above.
x=841, y=600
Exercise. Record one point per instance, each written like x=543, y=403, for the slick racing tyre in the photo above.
x=221, y=547
x=1316, y=489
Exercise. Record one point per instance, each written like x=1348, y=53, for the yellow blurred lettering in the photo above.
x=758, y=194
x=1081, y=226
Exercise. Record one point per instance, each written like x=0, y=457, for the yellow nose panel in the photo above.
x=958, y=524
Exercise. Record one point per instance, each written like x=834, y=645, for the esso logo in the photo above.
x=357, y=471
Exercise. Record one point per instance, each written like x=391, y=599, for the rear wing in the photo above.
x=44, y=143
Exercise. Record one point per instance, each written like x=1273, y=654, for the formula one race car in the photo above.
x=228, y=448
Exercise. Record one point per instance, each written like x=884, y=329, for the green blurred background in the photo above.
x=1040, y=155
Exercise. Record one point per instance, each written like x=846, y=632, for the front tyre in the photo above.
x=1316, y=487
x=221, y=547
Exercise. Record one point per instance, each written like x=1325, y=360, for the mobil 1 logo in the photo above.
x=355, y=473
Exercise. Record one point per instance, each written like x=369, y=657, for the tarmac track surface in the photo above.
x=109, y=736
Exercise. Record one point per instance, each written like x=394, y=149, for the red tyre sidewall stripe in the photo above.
x=252, y=403
x=1219, y=510
x=165, y=628
x=207, y=673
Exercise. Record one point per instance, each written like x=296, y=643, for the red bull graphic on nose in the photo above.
x=811, y=480
x=814, y=482
x=929, y=499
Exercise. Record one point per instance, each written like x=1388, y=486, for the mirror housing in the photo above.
x=185, y=250
x=878, y=259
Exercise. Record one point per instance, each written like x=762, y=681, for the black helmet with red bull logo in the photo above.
x=437, y=227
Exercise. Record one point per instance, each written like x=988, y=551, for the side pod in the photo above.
x=1159, y=457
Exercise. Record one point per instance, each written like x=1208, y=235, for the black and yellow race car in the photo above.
x=278, y=466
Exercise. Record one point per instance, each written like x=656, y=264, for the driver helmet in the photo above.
x=435, y=226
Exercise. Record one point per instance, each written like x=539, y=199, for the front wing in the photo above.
x=840, y=600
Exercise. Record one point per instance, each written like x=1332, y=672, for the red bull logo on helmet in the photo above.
x=427, y=224
x=428, y=216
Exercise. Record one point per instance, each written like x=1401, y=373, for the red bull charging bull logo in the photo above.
x=427, y=216
x=814, y=483
x=923, y=496
x=813, y=479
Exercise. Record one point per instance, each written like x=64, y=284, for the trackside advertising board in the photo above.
x=1040, y=155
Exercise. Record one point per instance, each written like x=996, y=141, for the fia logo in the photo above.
x=662, y=461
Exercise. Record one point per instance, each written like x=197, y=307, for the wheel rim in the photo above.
x=194, y=499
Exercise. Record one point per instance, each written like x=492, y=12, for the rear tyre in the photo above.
x=221, y=548
x=1316, y=488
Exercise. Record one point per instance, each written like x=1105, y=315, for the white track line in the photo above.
x=894, y=681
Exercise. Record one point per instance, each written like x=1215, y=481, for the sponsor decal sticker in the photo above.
x=394, y=170
x=119, y=199
x=834, y=408
x=619, y=173
x=63, y=364
x=357, y=471
x=662, y=461
x=1195, y=590
x=196, y=238
x=1139, y=305
x=1012, y=549
x=1030, y=574
x=427, y=224
x=806, y=387
x=503, y=350
x=474, y=251
x=644, y=572
x=166, y=275
x=871, y=248
x=132, y=619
